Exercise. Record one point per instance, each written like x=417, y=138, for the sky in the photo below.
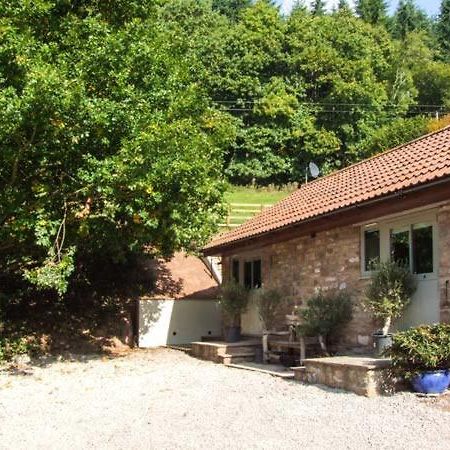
x=430, y=6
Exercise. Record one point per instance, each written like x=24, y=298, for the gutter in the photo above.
x=397, y=194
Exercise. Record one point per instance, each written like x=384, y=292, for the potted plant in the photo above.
x=269, y=303
x=422, y=356
x=326, y=313
x=387, y=296
x=233, y=300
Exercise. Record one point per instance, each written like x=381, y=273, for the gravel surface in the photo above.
x=167, y=400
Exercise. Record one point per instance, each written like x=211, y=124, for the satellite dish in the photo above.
x=315, y=172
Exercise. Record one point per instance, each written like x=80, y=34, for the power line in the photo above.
x=392, y=105
x=328, y=107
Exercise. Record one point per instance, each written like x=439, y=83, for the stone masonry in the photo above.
x=444, y=261
x=331, y=260
x=300, y=267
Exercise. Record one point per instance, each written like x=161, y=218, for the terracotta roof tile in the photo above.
x=420, y=161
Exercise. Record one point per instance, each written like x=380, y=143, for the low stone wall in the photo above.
x=363, y=376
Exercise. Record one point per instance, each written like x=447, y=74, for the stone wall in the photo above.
x=444, y=261
x=328, y=260
x=331, y=260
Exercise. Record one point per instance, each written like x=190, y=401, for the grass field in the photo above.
x=246, y=201
x=264, y=196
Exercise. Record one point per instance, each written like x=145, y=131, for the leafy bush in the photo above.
x=15, y=345
x=389, y=292
x=233, y=300
x=326, y=313
x=419, y=349
x=269, y=303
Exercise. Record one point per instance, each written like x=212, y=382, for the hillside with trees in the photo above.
x=121, y=122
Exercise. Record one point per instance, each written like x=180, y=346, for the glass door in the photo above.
x=412, y=242
x=400, y=246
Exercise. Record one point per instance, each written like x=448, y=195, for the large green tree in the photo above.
x=408, y=17
x=318, y=7
x=347, y=69
x=443, y=28
x=107, y=141
x=230, y=8
x=372, y=11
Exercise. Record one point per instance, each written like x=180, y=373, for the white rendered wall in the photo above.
x=173, y=322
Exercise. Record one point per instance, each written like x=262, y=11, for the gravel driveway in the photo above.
x=167, y=400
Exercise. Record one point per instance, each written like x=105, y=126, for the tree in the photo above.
x=389, y=292
x=372, y=11
x=347, y=68
x=409, y=18
x=299, y=7
x=107, y=142
x=443, y=28
x=343, y=7
x=318, y=7
x=230, y=8
x=419, y=56
x=396, y=132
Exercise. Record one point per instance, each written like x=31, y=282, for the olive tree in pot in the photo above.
x=234, y=300
x=326, y=313
x=422, y=356
x=388, y=294
x=269, y=303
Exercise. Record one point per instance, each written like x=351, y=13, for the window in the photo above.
x=408, y=241
x=400, y=244
x=413, y=247
x=422, y=248
x=235, y=270
x=252, y=274
x=371, y=249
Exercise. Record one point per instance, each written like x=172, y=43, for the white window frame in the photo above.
x=406, y=222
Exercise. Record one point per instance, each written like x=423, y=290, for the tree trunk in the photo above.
x=386, y=326
x=265, y=345
x=323, y=344
x=302, y=350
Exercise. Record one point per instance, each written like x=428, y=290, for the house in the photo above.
x=324, y=235
x=182, y=306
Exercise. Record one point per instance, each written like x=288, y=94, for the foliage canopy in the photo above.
x=120, y=120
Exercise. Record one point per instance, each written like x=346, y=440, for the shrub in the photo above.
x=13, y=346
x=234, y=300
x=325, y=314
x=420, y=349
x=389, y=292
x=269, y=303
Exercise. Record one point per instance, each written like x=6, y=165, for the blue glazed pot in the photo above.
x=432, y=382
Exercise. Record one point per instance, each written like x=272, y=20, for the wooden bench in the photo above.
x=293, y=342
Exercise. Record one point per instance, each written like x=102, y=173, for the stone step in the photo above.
x=221, y=351
x=300, y=373
x=183, y=348
x=237, y=357
x=227, y=350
